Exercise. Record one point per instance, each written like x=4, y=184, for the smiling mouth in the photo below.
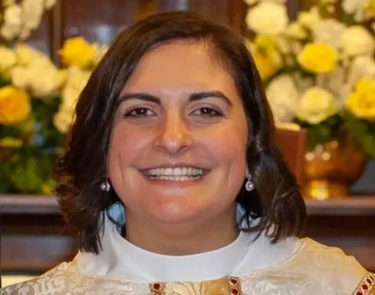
x=175, y=174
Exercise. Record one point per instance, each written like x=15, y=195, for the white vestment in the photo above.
x=291, y=267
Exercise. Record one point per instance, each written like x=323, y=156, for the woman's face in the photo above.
x=179, y=137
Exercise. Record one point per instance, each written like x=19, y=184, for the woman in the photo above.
x=174, y=183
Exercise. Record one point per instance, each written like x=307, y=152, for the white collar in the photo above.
x=120, y=258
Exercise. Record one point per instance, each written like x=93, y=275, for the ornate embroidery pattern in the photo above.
x=226, y=286
x=366, y=286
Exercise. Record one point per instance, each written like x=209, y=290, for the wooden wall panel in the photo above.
x=97, y=20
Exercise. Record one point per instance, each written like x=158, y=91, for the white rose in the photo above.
x=21, y=77
x=45, y=82
x=282, y=95
x=12, y=22
x=48, y=4
x=315, y=105
x=76, y=82
x=32, y=11
x=363, y=65
x=267, y=18
x=309, y=18
x=356, y=40
x=328, y=31
x=63, y=119
x=296, y=31
x=27, y=54
x=356, y=8
x=7, y=58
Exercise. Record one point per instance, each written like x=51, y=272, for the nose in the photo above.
x=175, y=135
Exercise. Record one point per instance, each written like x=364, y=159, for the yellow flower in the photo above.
x=78, y=52
x=361, y=102
x=10, y=142
x=266, y=56
x=318, y=58
x=14, y=105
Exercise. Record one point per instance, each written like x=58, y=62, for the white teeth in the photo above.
x=177, y=174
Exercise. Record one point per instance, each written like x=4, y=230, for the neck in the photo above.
x=182, y=239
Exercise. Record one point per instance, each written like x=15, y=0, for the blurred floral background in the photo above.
x=36, y=98
x=319, y=70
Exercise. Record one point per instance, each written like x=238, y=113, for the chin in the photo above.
x=174, y=212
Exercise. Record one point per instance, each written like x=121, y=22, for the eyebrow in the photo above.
x=193, y=97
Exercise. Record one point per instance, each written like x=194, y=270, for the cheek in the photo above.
x=126, y=145
x=228, y=147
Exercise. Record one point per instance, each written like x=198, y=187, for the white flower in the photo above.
x=267, y=18
x=328, y=31
x=45, y=82
x=363, y=65
x=7, y=59
x=296, y=31
x=48, y=4
x=282, y=95
x=309, y=18
x=63, y=119
x=32, y=11
x=334, y=82
x=76, y=82
x=27, y=54
x=356, y=7
x=251, y=2
x=315, y=105
x=356, y=40
x=24, y=34
x=20, y=77
x=12, y=22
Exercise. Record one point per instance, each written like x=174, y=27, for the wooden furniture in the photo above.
x=34, y=239
x=292, y=141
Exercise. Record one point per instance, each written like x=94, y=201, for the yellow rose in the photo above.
x=266, y=56
x=78, y=52
x=361, y=102
x=14, y=105
x=318, y=58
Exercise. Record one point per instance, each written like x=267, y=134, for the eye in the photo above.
x=207, y=112
x=140, y=112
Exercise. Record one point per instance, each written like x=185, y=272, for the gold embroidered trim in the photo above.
x=226, y=286
x=366, y=286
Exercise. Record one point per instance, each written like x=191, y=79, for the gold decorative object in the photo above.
x=330, y=168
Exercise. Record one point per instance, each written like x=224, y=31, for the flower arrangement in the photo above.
x=319, y=70
x=36, y=109
x=20, y=18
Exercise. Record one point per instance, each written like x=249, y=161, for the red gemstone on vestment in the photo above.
x=234, y=281
x=156, y=286
x=365, y=287
x=235, y=292
x=359, y=293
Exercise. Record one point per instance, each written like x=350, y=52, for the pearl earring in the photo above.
x=105, y=186
x=249, y=186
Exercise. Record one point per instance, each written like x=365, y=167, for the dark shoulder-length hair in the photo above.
x=276, y=200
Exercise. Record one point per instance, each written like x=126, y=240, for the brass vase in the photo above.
x=331, y=168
